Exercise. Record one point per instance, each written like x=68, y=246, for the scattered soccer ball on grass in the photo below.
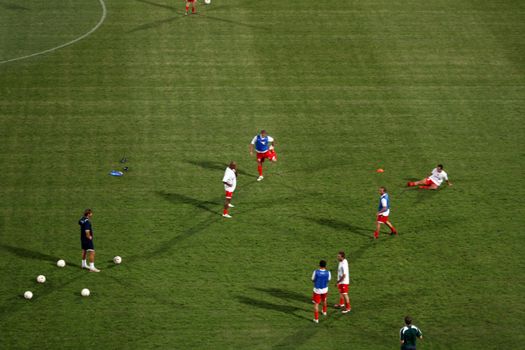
x=85, y=292
x=61, y=263
x=28, y=295
x=207, y=2
x=41, y=279
x=117, y=260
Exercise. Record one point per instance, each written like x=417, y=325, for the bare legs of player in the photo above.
x=423, y=184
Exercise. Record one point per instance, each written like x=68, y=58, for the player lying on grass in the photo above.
x=230, y=182
x=264, y=147
x=433, y=181
x=320, y=278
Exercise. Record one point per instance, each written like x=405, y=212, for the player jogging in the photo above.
x=320, y=278
x=343, y=281
x=264, y=147
x=433, y=181
x=192, y=2
x=86, y=241
x=409, y=334
x=230, y=182
x=382, y=213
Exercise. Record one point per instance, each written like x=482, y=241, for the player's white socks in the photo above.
x=91, y=265
x=84, y=264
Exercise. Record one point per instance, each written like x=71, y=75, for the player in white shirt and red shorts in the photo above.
x=343, y=282
x=433, y=181
x=192, y=3
x=230, y=182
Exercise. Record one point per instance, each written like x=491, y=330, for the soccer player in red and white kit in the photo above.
x=192, y=2
x=383, y=211
x=433, y=181
x=230, y=182
x=264, y=147
x=320, y=278
x=343, y=281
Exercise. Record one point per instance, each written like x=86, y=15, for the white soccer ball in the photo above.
x=117, y=260
x=41, y=279
x=28, y=295
x=207, y=2
x=61, y=263
x=85, y=292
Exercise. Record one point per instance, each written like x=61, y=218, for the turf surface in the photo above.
x=345, y=88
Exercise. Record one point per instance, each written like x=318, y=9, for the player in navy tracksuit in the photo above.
x=320, y=278
x=86, y=241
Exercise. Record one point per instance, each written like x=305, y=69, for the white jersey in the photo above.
x=438, y=177
x=342, y=269
x=230, y=178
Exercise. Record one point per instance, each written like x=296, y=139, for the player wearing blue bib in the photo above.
x=264, y=147
x=382, y=213
x=320, y=278
x=86, y=241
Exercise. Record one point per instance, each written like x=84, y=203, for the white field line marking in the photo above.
x=102, y=19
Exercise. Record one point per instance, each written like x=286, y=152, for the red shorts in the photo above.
x=429, y=182
x=271, y=155
x=190, y=0
x=318, y=298
x=382, y=219
x=229, y=195
x=343, y=288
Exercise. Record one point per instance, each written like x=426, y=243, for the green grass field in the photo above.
x=345, y=87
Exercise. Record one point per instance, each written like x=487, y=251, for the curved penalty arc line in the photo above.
x=91, y=31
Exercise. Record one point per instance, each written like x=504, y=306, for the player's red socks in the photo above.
x=259, y=169
x=411, y=184
x=193, y=10
x=424, y=187
x=376, y=236
x=316, y=315
x=324, y=309
x=225, y=211
x=187, y=8
x=341, y=301
x=348, y=307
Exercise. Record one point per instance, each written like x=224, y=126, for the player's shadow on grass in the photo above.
x=284, y=294
x=166, y=246
x=30, y=254
x=212, y=165
x=177, y=198
x=341, y=226
x=153, y=24
x=253, y=26
x=11, y=6
x=157, y=4
x=287, y=309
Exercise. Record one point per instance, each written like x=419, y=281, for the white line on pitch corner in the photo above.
x=102, y=19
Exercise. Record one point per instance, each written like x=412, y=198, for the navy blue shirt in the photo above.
x=85, y=225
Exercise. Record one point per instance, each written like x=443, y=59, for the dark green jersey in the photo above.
x=409, y=335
